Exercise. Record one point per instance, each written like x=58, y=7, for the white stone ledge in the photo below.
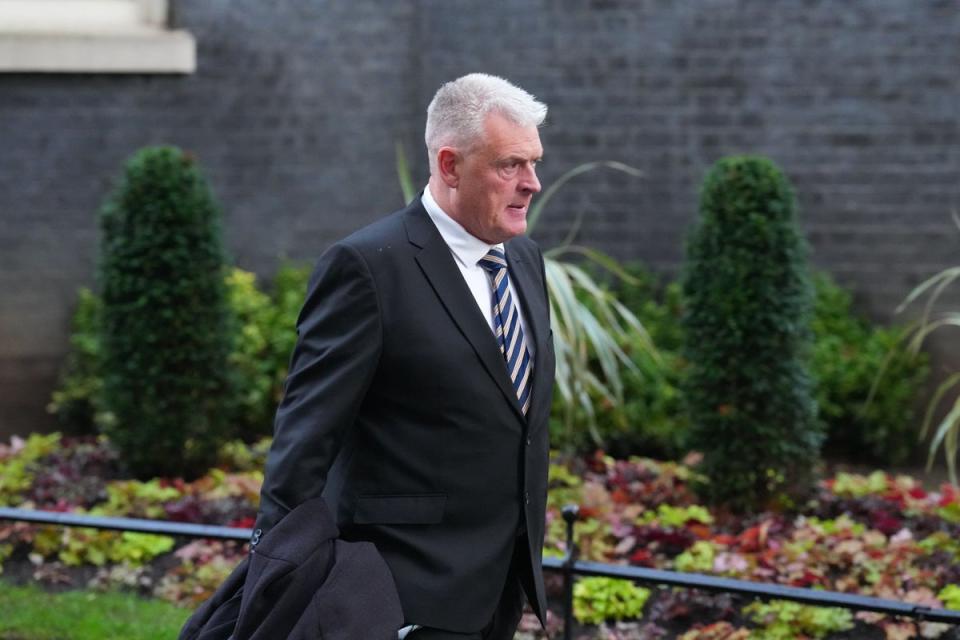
x=134, y=51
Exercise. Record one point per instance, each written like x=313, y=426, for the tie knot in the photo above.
x=493, y=261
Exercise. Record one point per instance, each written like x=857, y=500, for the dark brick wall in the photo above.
x=296, y=105
x=292, y=114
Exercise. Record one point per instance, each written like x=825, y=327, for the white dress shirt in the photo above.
x=467, y=251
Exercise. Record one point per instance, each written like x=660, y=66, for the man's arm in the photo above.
x=333, y=363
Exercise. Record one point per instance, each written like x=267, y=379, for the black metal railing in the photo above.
x=569, y=566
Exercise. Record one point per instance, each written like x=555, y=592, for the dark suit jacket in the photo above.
x=397, y=371
x=301, y=583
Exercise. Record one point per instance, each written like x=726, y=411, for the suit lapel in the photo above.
x=437, y=264
x=525, y=279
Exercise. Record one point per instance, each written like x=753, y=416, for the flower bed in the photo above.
x=876, y=535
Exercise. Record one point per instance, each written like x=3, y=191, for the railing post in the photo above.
x=570, y=514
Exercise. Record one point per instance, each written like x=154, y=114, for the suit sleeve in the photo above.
x=335, y=358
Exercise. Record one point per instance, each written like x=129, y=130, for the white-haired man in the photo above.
x=424, y=367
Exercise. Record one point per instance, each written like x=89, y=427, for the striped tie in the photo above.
x=506, y=327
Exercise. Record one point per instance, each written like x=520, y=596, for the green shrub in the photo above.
x=747, y=307
x=650, y=419
x=655, y=421
x=288, y=293
x=77, y=403
x=252, y=404
x=847, y=355
x=261, y=354
x=266, y=333
x=166, y=327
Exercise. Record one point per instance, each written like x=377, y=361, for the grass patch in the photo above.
x=29, y=613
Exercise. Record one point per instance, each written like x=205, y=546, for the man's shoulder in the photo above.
x=387, y=229
x=523, y=247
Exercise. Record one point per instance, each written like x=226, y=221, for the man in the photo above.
x=424, y=367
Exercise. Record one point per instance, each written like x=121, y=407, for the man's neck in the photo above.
x=442, y=195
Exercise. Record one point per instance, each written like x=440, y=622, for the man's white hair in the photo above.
x=456, y=115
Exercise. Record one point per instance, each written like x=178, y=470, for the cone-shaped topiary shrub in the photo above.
x=747, y=309
x=165, y=324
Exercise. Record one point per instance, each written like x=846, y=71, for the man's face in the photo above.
x=497, y=181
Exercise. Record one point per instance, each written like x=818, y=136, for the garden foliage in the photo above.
x=847, y=352
x=597, y=600
x=78, y=402
x=747, y=308
x=863, y=423
x=877, y=535
x=265, y=334
x=782, y=620
x=165, y=325
x=943, y=410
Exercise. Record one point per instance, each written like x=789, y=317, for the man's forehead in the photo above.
x=507, y=138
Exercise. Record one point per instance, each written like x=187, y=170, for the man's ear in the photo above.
x=448, y=166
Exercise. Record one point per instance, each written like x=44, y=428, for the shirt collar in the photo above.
x=467, y=248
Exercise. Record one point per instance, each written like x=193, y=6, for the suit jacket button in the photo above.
x=529, y=441
x=526, y=497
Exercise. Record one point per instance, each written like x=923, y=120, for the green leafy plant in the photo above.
x=950, y=596
x=946, y=433
x=77, y=402
x=251, y=405
x=288, y=292
x=78, y=546
x=596, y=600
x=590, y=325
x=17, y=465
x=240, y=456
x=656, y=422
x=943, y=542
x=166, y=326
x=266, y=333
x=847, y=353
x=668, y=515
x=747, y=306
x=782, y=620
x=650, y=419
x=698, y=558
x=204, y=565
x=857, y=486
x=261, y=352
x=137, y=499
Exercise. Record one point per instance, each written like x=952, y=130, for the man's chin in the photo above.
x=516, y=229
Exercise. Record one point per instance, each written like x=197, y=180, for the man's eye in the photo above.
x=509, y=169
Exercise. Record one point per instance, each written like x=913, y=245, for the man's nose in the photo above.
x=528, y=180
